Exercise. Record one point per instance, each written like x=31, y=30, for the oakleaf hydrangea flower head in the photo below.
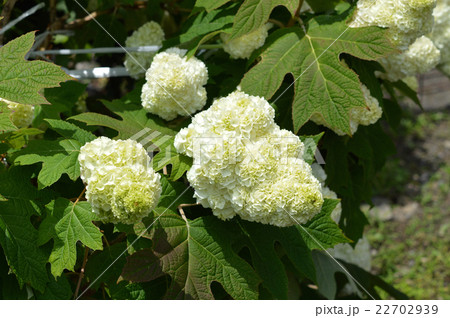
x=243, y=47
x=406, y=19
x=358, y=115
x=22, y=115
x=174, y=85
x=421, y=57
x=150, y=34
x=441, y=33
x=120, y=183
x=245, y=164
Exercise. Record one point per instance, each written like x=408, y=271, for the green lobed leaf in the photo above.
x=322, y=232
x=139, y=291
x=209, y=5
x=323, y=84
x=10, y=289
x=71, y=131
x=172, y=195
x=57, y=157
x=207, y=22
x=310, y=143
x=261, y=240
x=253, y=14
x=195, y=254
x=18, y=236
x=67, y=223
x=169, y=156
x=63, y=100
x=21, y=80
x=405, y=90
x=56, y=289
x=135, y=123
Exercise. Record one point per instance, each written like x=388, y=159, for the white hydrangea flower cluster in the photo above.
x=441, y=32
x=358, y=115
x=121, y=185
x=22, y=115
x=406, y=19
x=149, y=34
x=421, y=57
x=174, y=85
x=243, y=47
x=245, y=164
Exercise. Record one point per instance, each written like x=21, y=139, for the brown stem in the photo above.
x=296, y=14
x=52, y=23
x=79, y=197
x=184, y=205
x=165, y=170
x=276, y=22
x=6, y=14
x=80, y=277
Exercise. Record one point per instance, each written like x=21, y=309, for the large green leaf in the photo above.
x=322, y=232
x=21, y=80
x=70, y=131
x=169, y=156
x=209, y=5
x=323, y=84
x=18, y=236
x=253, y=14
x=135, y=123
x=67, y=223
x=195, y=254
x=56, y=289
x=172, y=195
x=207, y=22
x=261, y=240
x=57, y=157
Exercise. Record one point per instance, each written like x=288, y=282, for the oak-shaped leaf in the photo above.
x=323, y=84
x=210, y=5
x=19, y=200
x=322, y=232
x=262, y=241
x=67, y=223
x=20, y=80
x=253, y=14
x=57, y=157
x=195, y=254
